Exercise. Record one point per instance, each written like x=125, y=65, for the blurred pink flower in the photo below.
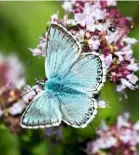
x=108, y=60
x=17, y=108
x=31, y=92
x=11, y=83
x=9, y=72
x=102, y=104
x=121, y=138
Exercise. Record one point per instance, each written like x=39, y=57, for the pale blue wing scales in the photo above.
x=61, y=51
x=87, y=74
x=42, y=112
x=77, y=110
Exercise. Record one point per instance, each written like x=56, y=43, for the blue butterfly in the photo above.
x=73, y=80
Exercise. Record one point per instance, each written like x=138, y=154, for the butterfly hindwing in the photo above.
x=87, y=74
x=61, y=50
x=77, y=110
x=42, y=112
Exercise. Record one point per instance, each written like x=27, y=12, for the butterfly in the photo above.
x=73, y=80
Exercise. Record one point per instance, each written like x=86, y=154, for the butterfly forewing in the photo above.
x=62, y=50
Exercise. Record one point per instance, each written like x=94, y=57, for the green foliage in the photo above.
x=21, y=23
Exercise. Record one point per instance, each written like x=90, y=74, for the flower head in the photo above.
x=101, y=28
x=120, y=138
x=11, y=84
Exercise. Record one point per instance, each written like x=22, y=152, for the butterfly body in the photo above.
x=74, y=78
x=58, y=87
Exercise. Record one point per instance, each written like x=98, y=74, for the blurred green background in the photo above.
x=21, y=23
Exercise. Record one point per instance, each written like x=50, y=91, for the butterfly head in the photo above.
x=41, y=83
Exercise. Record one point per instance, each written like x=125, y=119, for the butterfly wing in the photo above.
x=87, y=74
x=86, y=77
x=77, y=110
x=42, y=112
x=83, y=73
x=62, y=50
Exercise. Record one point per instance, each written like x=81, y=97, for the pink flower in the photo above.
x=125, y=83
x=67, y=6
x=122, y=121
x=102, y=143
x=94, y=43
x=36, y=51
x=108, y=60
x=54, y=17
x=128, y=136
x=132, y=78
x=8, y=67
x=81, y=18
x=17, y=108
x=12, y=81
x=133, y=67
x=111, y=2
x=102, y=104
x=118, y=138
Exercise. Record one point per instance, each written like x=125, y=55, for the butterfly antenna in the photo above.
x=26, y=93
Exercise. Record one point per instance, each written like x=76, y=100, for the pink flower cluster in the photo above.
x=10, y=73
x=101, y=28
x=11, y=84
x=118, y=139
